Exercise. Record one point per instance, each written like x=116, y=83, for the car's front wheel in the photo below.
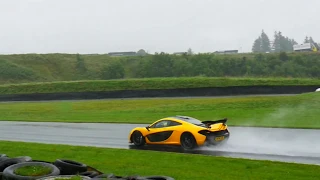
x=187, y=141
x=137, y=138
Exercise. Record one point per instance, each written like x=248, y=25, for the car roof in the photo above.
x=183, y=118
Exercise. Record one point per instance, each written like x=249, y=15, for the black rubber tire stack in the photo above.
x=8, y=173
x=2, y=157
x=60, y=168
x=70, y=167
x=11, y=161
x=90, y=174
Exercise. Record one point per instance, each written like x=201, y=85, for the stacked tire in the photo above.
x=61, y=168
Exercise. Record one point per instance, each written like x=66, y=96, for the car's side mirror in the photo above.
x=148, y=128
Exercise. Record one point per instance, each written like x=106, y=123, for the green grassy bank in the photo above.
x=148, y=83
x=300, y=111
x=23, y=68
x=180, y=166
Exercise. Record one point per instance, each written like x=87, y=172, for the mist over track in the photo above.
x=287, y=145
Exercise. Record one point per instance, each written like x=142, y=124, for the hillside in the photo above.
x=23, y=68
x=48, y=67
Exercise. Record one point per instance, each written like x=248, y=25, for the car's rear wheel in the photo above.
x=137, y=138
x=188, y=142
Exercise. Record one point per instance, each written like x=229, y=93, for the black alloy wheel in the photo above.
x=138, y=139
x=188, y=141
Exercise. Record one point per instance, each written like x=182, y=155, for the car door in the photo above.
x=161, y=132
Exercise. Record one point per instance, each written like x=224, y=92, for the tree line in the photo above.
x=280, y=43
x=258, y=65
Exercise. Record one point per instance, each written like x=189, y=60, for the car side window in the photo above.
x=160, y=124
x=165, y=123
x=174, y=123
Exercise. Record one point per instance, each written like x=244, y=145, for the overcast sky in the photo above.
x=101, y=26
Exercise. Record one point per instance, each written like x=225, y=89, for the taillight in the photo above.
x=204, y=132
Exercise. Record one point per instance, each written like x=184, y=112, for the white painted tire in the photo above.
x=318, y=90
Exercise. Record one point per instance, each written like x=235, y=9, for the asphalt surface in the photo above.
x=287, y=145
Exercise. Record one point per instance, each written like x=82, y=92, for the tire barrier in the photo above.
x=181, y=92
x=11, y=161
x=9, y=172
x=24, y=168
x=69, y=167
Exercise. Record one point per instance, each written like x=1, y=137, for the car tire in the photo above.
x=70, y=167
x=8, y=173
x=138, y=139
x=187, y=141
x=3, y=158
x=10, y=161
x=90, y=174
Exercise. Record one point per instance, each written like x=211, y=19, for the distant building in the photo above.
x=130, y=53
x=306, y=47
x=141, y=52
x=227, y=52
x=180, y=53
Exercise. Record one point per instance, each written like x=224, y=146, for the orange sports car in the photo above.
x=184, y=131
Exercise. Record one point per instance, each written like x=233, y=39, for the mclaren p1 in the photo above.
x=184, y=131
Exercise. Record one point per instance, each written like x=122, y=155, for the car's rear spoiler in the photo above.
x=223, y=121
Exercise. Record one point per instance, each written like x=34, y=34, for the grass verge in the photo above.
x=147, y=83
x=36, y=170
x=298, y=111
x=180, y=166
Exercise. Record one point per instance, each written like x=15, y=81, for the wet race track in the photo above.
x=288, y=145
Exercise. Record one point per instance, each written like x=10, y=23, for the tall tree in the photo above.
x=265, y=42
x=276, y=43
x=306, y=40
x=190, y=52
x=293, y=42
x=283, y=43
x=311, y=40
x=317, y=46
x=262, y=43
x=257, y=45
x=142, y=52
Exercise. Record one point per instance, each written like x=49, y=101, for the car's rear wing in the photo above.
x=210, y=122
